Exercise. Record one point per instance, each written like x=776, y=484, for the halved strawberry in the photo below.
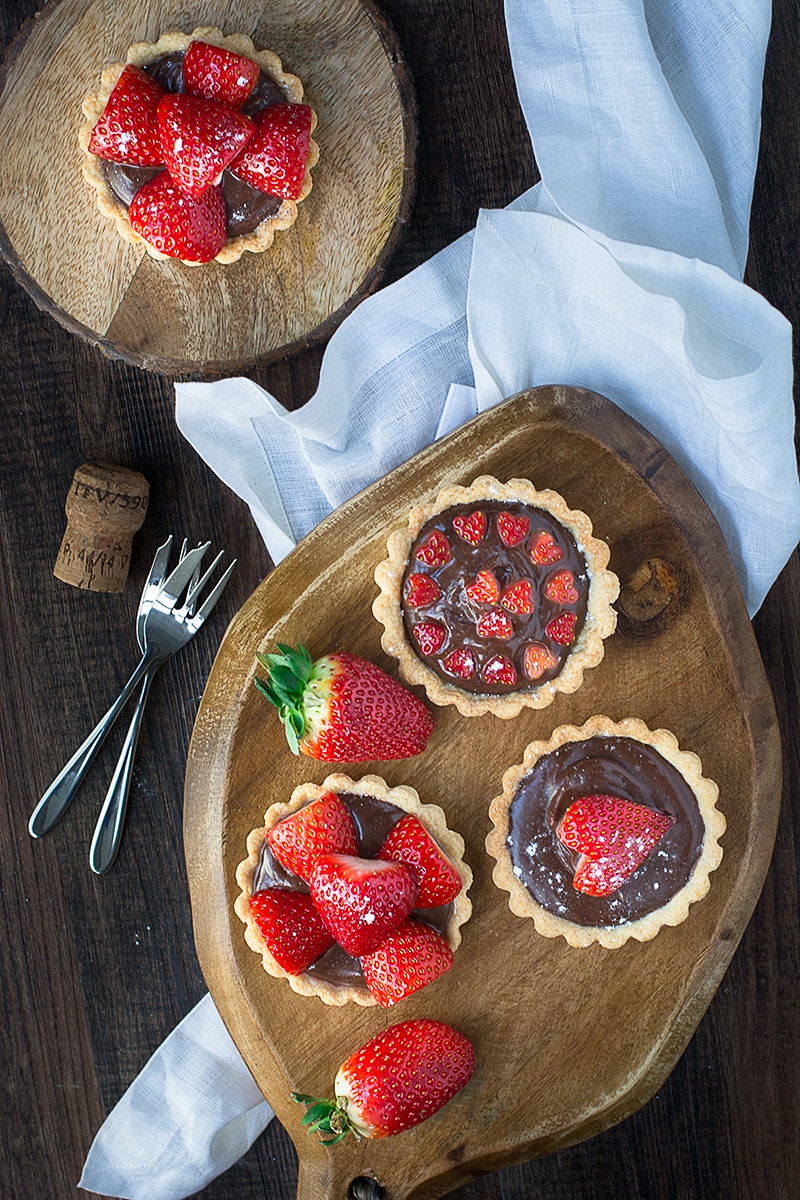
x=177, y=224
x=127, y=129
x=471, y=528
x=409, y=959
x=543, y=549
x=561, y=629
x=218, y=74
x=512, y=528
x=612, y=836
x=560, y=587
x=429, y=636
x=538, y=659
x=517, y=597
x=421, y=590
x=409, y=842
x=460, y=662
x=494, y=623
x=275, y=160
x=291, y=926
x=500, y=669
x=361, y=900
x=324, y=826
x=199, y=138
x=484, y=588
x=435, y=550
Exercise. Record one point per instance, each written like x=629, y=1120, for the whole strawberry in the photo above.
x=361, y=900
x=343, y=708
x=395, y=1081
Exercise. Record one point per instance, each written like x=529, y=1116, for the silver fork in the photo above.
x=164, y=634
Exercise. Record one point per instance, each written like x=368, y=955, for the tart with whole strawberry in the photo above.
x=496, y=597
x=605, y=832
x=354, y=891
x=199, y=146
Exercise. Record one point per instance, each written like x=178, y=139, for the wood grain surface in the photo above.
x=95, y=972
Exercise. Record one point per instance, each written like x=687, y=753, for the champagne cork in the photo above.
x=105, y=507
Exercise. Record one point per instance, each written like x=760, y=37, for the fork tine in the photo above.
x=158, y=570
x=181, y=575
x=212, y=598
x=196, y=583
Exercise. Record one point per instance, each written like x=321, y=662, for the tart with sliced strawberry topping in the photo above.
x=200, y=117
x=383, y=881
x=605, y=832
x=496, y=597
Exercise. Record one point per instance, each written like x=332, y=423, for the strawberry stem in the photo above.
x=288, y=673
x=326, y=1117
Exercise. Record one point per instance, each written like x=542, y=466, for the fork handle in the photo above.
x=108, y=831
x=59, y=795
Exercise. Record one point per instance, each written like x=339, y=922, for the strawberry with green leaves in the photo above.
x=361, y=900
x=612, y=837
x=396, y=1080
x=343, y=708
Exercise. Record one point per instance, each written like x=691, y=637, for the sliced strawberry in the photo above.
x=291, y=926
x=544, y=549
x=435, y=550
x=127, y=129
x=561, y=629
x=484, y=588
x=199, y=138
x=560, y=587
x=460, y=662
x=500, y=670
x=218, y=74
x=325, y=826
x=471, y=528
x=512, y=528
x=176, y=224
x=409, y=842
x=410, y=958
x=538, y=659
x=494, y=623
x=429, y=636
x=517, y=597
x=361, y=900
x=612, y=836
x=275, y=160
x=421, y=590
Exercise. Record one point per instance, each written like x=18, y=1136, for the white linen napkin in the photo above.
x=621, y=272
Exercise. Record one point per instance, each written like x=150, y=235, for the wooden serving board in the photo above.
x=208, y=320
x=567, y=1041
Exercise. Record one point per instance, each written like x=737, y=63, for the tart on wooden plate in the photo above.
x=605, y=833
x=496, y=597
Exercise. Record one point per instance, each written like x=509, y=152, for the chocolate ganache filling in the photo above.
x=617, y=766
x=246, y=207
x=527, y=634
x=373, y=819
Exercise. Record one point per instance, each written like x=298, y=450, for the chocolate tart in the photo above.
x=516, y=610
x=253, y=217
x=336, y=977
x=628, y=760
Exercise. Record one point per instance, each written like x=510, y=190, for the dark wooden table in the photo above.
x=96, y=971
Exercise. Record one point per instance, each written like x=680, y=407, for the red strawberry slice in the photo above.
x=409, y=842
x=361, y=900
x=343, y=708
x=291, y=926
x=500, y=670
x=544, y=549
x=484, y=588
x=218, y=74
x=199, y=138
x=429, y=636
x=560, y=587
x=176, y=224
x=538, y=659
x=495, y=623
x=324, y=826
x=127, y=129
x=275, y=160
x=398, y=1078
x=512, y=528
x=435, y=550
x=410, y=958
x=460, y=662
x=561, y=629
x=471, y=528
x=612, y=836
x=517, y=597
x=421, y=590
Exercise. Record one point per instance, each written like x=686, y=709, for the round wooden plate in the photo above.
x=567, y=1041
x=211, y=320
